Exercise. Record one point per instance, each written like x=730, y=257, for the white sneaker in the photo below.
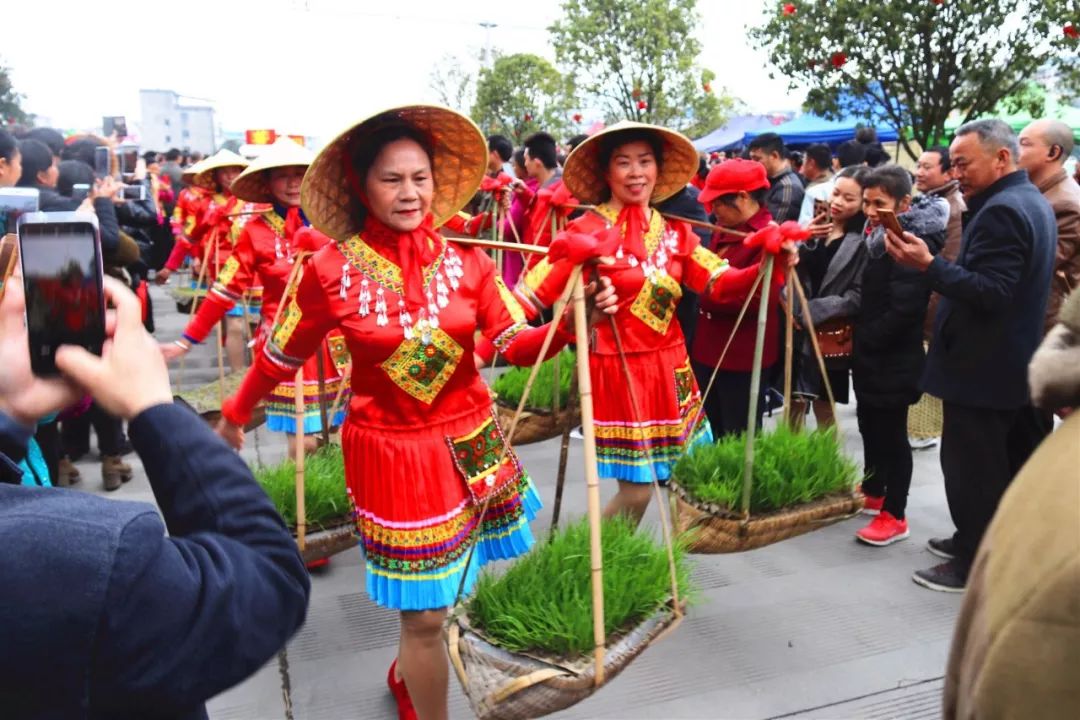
x=922, y=443
x=577, y=434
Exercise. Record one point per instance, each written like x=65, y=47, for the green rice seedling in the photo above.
x=543, y=602
x=325, y=499
x=790, y=468
x=510, y=386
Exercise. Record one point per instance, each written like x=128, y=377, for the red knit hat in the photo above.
x=732, y=176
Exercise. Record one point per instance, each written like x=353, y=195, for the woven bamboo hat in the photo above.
x=253, y=185
x=585, y=178
x=187, y=175
x=223, y=158
x=459, y=160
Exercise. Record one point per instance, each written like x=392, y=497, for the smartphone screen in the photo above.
x=102, y=164
x=65, y=303
x=129, y=161
x=15, y=202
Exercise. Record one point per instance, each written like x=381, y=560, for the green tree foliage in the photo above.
x=454, y=86
x=521, y=94
x=638, y=59
x=908, y=64
x=10, y=101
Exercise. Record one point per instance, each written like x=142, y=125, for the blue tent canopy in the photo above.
x=809, y=129
x=731, y=134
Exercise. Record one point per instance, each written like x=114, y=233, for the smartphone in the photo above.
x=132, y=192
x=129, y=159
x=15, y=202
x=79, y=191
x=821, y=209
x=117, y=123
x=9, y=255
x=102, y=162
x=888, y=220
x=62, y=276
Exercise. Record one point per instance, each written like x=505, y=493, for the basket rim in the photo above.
x=728, y=514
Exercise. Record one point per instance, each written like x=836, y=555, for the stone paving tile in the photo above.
x=814, y=627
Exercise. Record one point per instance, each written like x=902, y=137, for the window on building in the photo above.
x=167, y=122
x=183, y=118
x=185, y=134
x=168, y=138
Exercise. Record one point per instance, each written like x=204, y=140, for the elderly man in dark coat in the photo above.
x=989, y=323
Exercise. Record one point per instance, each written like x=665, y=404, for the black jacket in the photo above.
x=990, y=319
x=888, y=357
x=104, y=616
x=685, y=204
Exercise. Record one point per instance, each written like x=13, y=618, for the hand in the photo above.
x=789, y=258
x=106, y=187
x=601, y=301
x=908, y=251
x=140, y=170
x=162, y=276
x=172, y=351
x=87, y=205
x=130, y=376
x=24, y=397
x=231, y=434
x=518, y=186
x=504, y=202
x=479, y=361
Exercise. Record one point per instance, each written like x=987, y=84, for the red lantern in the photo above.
x=789, y=9
x=707, y=87
x=838, y=60
x=528, y=117
x=577, y=117
x=1071, y=32
x=642, y=105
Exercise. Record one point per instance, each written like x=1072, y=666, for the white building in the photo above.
x=168, y=121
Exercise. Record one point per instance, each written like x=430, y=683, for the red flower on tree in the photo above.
x=707, y=87
x=789, y=9
x=838, y=60
x=528, y=117
x=642, y=105
x=1071, y=32
x=577, y=117
x=938, y=2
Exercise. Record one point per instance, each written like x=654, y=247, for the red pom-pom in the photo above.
x=642, y=105
x=789, y=9
x=838, y=60
x=575, y=247
x=308, y=239
x=494, y=184
x=1071, y=32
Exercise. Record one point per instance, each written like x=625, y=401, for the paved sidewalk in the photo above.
x=814, y=627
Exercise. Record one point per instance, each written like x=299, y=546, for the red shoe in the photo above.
x=316, y=564
x=401, y=694
x=872, y=504
x=883, y=530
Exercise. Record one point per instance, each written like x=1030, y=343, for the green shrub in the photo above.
x=325, y=499
x=790, y=468
x=511, y=384
x=543, y=601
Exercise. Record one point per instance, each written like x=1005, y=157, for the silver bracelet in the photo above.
x=182, y=345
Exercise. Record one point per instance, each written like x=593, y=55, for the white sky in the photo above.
x=303, y=66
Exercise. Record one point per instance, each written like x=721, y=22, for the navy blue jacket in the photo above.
x=990, y=319
x=102, y=616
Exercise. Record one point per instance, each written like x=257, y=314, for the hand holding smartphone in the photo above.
x=62, y=280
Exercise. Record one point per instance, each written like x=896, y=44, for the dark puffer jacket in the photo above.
x=888, y=357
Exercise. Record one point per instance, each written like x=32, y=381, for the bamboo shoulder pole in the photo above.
x=592, y=475
x=789, y=346
x=755, y=384
x=220, y=338
x=301, y=521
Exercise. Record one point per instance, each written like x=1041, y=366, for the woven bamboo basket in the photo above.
x=536, y=425
x=710, y=528
x=329, y=540
x=502, y=685
x=205, y=400
x=925, y=418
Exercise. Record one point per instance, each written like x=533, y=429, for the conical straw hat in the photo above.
x=188, y=174
x=223, y=158
x=253, y=184
x=585, y=178
x=459, y=161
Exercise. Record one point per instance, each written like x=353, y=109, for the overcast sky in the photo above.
x=303, y=66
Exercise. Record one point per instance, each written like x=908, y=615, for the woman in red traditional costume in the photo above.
x=622, y=171
x=423, y=450
x=264, y=255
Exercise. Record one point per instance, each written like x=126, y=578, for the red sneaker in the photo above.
x=883, y=530
x=401, y=694
x=872, y=504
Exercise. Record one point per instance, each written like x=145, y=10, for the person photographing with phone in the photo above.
x=156, y=627
x=887, y=359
